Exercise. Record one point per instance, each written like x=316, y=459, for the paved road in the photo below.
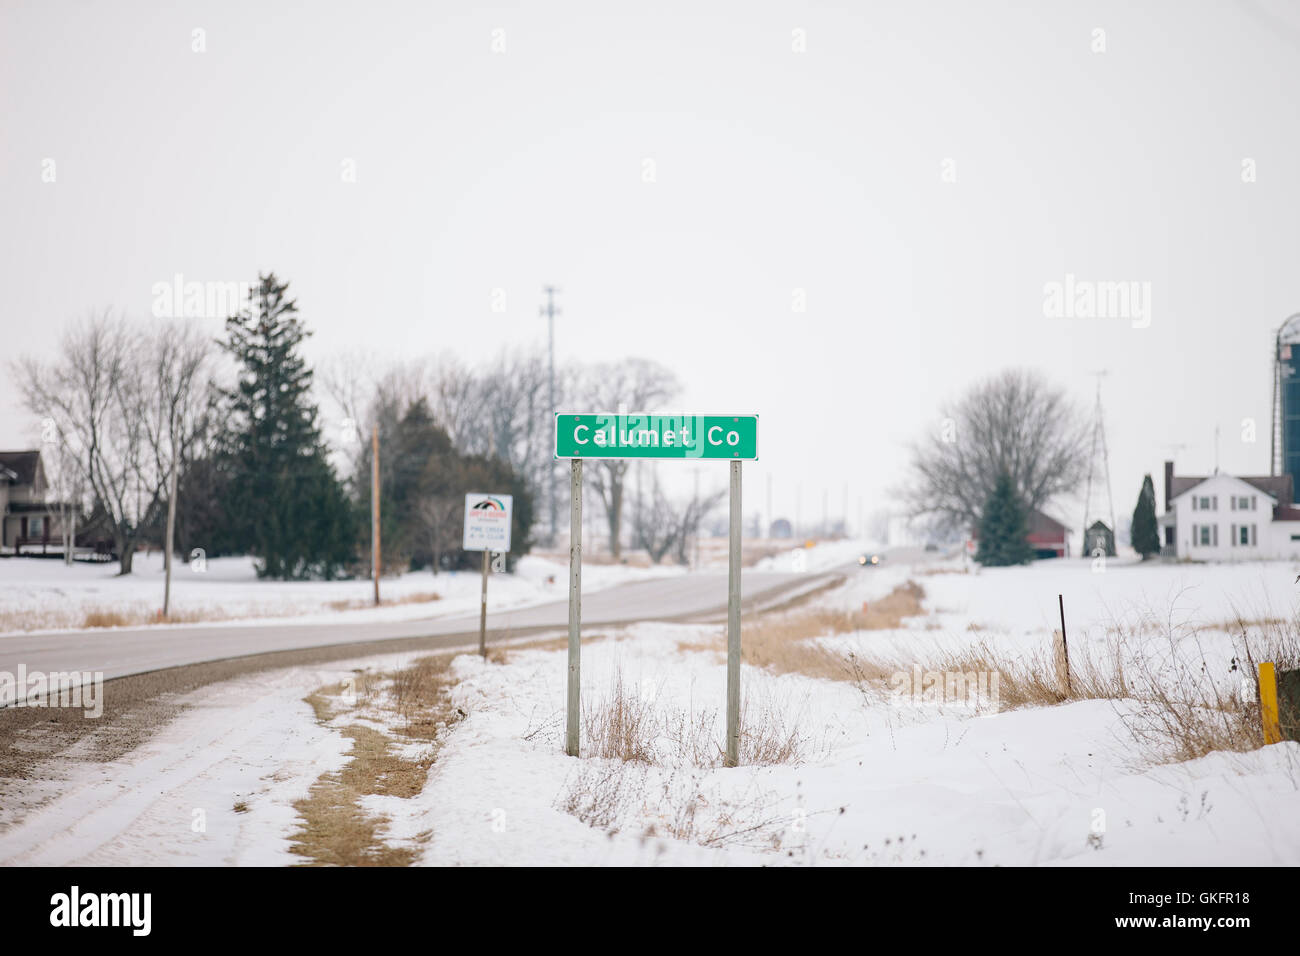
x=127, y=651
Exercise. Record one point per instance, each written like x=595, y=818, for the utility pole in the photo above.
x=374, y=506
x=171, y=537
x=549, y=312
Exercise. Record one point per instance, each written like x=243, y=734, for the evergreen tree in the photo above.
x=284, y=504
x=423, y=481
x=1144, y=533
x=1004, y=529
x=407, y=443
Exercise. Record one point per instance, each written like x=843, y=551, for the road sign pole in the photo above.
x=575, y=609
x=374, y=508
x=733, y=622
x=482, y=611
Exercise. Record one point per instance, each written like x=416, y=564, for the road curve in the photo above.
x=122, y=652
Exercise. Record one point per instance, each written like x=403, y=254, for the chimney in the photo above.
x=1169, y=482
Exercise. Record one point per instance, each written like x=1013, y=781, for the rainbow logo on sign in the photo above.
x=487, y=522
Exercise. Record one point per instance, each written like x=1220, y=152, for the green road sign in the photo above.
x=678, y=437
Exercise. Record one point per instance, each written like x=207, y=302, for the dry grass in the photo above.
x=616, y=797
x=137, y=614
x=334, y=829
x=782, y=642
x=1187, y=710
x=354, y=604
x=104, y=619
x=621, y=725
x=625, y=724
x=117, y=617
x=1179, y=701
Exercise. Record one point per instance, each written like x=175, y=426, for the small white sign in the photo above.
x=487, y=522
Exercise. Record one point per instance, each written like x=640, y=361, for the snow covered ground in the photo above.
x=47, y=595
x=878, y=781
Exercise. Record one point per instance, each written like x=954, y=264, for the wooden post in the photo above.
x=482, y=611
x=1268, y=703
x=374, y=507
x=575, y=610
x=1065, y=646
x=171, y=538
x=733, y=621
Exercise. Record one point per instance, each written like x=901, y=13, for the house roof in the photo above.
x=33, y=507
x=1277, y=487
x=1041, y=525
x=22, y=464
x=1043, y=529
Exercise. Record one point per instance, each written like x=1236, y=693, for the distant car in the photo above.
x=931, y=546
x=870, y=560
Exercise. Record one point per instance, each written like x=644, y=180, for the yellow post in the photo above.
x=1268, y=703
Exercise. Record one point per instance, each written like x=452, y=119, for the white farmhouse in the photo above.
x=1225, y=518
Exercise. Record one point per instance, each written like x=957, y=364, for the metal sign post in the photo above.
x=573, y=712
x=733, y=621
x=487, y=529
x=648, y=436
x=482, y=610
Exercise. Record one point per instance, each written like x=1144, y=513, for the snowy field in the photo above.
x=875, y=781
x=47, y=595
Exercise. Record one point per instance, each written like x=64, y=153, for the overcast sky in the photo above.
x=824, y=176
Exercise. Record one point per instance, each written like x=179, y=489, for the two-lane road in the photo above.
x=125, y=651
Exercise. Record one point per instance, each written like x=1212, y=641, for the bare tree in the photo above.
x=632, y=385
x=456, y=399
x=95, y=392
x=67, y=481
x=347, y=380
x=1014, y=423
x=442, y=517
x=663, y=526
x=177, y=358
x=654, y=523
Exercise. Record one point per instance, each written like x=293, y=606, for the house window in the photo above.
x=1243, y=535
x=34, y=527
x=1207, y=503
x=1205, y=535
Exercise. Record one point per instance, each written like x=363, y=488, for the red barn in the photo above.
x=1047, y=536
